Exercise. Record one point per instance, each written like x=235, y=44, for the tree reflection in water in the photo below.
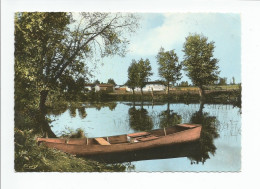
x=208, y=134
x=111, y=105
x=139, y=120
x=169, y=118
x=72, y=111
x=57, y=110
x=82, y=112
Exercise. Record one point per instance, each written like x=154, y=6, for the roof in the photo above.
x=154, y=82
x=105, y=85
x=89, y=84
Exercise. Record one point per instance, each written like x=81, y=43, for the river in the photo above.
x=220, y=144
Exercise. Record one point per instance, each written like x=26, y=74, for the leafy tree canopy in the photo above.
x=132, y=81
x=222, y=81
x=144, y=72
x=111, y=81
x=138, y=73
x=50, y=46
x=198, y=61
x=169, y=68
x=96, y=81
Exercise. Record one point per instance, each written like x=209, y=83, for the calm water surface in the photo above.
x=220, y=145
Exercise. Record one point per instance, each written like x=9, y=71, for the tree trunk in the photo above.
x=152, y=94
x=202, y=94
x=43, y=97
x=142, y=92
x=45, y=127
x=201, y=107
x=43, y=123
x=133, y=91
x=168, y=90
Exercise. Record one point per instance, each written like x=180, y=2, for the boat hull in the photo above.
x=188, y=149
x=185, y=136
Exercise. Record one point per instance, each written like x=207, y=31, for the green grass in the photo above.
x=29, y=157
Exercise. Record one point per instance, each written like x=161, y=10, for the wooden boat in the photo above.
x=181, y=133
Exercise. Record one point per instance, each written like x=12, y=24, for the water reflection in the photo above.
x=72, y=111
x=111, y=105
x=208, y=134
x=82, y=112
x=169, y=118
x=165, y=152
x=139, y=120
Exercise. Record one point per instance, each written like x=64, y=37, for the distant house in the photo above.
x=104, y=87
x=122, y=87
x=150, y=86
x=89, y=86
x=154, y=86
x=117, y=87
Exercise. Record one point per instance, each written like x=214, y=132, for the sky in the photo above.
x=169, y=30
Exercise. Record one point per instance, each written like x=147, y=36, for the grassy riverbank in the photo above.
x=230, y=94
x=29, y=157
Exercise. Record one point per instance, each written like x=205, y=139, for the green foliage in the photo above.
x=132, y=81
x=139, y=120
x=138, y=73
x=169, y=118
x=38, y=43
x=96, y=81
x=29, y=157
x=184, y=84
x=208, y=134
x=169, y=68
x=198, y=61
x=111, y=81
x=144, y=72
x=222, y=81
x=233, y=81
x=51, y=47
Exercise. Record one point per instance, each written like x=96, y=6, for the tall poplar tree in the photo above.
x=199, y=61
x=169, y=67
x=132, y=81
x=144, y=72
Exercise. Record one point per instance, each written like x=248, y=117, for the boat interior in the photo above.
x=126, y=138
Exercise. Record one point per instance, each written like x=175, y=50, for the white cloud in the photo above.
x=175, y=27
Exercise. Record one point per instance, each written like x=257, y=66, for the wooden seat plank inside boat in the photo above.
x=187, y=125
x=138, y=134
x=102, y=141
x=150, y=137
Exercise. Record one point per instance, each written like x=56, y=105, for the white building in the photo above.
x=150, y=86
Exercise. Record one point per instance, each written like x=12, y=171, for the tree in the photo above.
x=233, y=81
x=139, y=119
x=209, y=132
x=199, y=62
x=96, y=82
x=184, y=84
x=49, y=46
x=169, y=68
x=168, y=118
x=132, y=81
x=222, y=81
x=111, y=81
x=144, y=72
x=35, y=41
